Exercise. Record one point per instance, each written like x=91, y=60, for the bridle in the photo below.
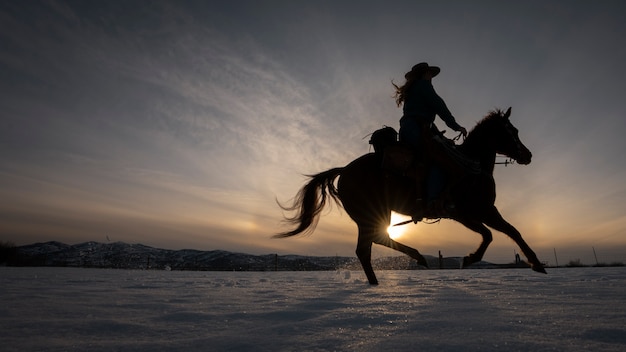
x=519, y=147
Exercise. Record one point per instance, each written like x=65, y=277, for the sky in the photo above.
x=179, y=124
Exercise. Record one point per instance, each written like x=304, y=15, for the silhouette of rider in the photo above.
x=420, y=103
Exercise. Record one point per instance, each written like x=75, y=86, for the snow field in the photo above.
x=70, y=309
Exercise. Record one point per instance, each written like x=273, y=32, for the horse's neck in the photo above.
x=488, y=163
x=476, y=148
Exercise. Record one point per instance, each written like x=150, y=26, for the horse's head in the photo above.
x=496, y=133
x=507, y=140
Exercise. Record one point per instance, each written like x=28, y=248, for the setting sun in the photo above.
x=396, y=232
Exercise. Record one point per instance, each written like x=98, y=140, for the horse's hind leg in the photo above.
x=364, y=250
x=385, y=240
x=364, y=253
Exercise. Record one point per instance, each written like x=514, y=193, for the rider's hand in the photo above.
x=463, y=131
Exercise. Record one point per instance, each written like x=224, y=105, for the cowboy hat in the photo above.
x=419, y=69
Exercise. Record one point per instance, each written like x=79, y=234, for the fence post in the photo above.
x=555, y=258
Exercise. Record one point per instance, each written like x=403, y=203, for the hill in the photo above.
x=137, y=256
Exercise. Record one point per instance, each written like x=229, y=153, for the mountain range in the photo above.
x=137, y=256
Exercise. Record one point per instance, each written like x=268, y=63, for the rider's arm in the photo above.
x=441, y=109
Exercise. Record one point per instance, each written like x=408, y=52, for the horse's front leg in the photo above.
x=487, y=238
x=497, y=222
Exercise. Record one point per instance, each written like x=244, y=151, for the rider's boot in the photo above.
x=420, y=201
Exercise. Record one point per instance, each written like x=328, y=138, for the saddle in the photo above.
x=402, y=160
x=399, y=158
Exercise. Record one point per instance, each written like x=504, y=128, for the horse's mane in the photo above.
x=491, y=116
x=477, y=135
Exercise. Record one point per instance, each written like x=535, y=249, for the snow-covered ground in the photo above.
x=65, y=309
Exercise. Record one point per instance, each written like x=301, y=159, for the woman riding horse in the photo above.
x=369, y=194
x=420, y=105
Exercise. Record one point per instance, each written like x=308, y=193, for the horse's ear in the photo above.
x=507, y=114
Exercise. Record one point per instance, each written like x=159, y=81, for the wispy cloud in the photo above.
x=172, y=118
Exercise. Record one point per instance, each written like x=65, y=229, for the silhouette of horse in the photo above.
x=369, y=194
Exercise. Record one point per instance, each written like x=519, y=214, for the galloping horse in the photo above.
x=369, y=194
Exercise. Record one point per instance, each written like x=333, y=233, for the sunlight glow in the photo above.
x=396, y=232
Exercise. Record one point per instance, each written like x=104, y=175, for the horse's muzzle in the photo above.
x=525, y=158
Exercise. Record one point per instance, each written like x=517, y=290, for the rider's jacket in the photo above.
x=421, y=102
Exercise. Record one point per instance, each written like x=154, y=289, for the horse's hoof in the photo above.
x=423, y=262
x=539, y=268
x=467, y=261
x=374, y=283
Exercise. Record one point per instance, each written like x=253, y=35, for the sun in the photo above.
x=396, y=232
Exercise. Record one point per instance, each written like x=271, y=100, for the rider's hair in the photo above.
x=400, y=94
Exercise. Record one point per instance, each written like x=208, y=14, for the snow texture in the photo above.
x=73, y=309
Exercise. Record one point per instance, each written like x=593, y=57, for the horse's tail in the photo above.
x=310, y=201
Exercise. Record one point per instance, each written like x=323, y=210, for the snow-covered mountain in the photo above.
x=137, y=256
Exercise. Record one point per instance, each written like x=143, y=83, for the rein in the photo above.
x=508, y=161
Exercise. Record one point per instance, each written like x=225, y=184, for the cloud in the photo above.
x=191, y=118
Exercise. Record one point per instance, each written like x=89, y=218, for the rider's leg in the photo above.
x=435, y=183
x=444, y=173
x=412, y=134
x=421, y=193
x=438, y=200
